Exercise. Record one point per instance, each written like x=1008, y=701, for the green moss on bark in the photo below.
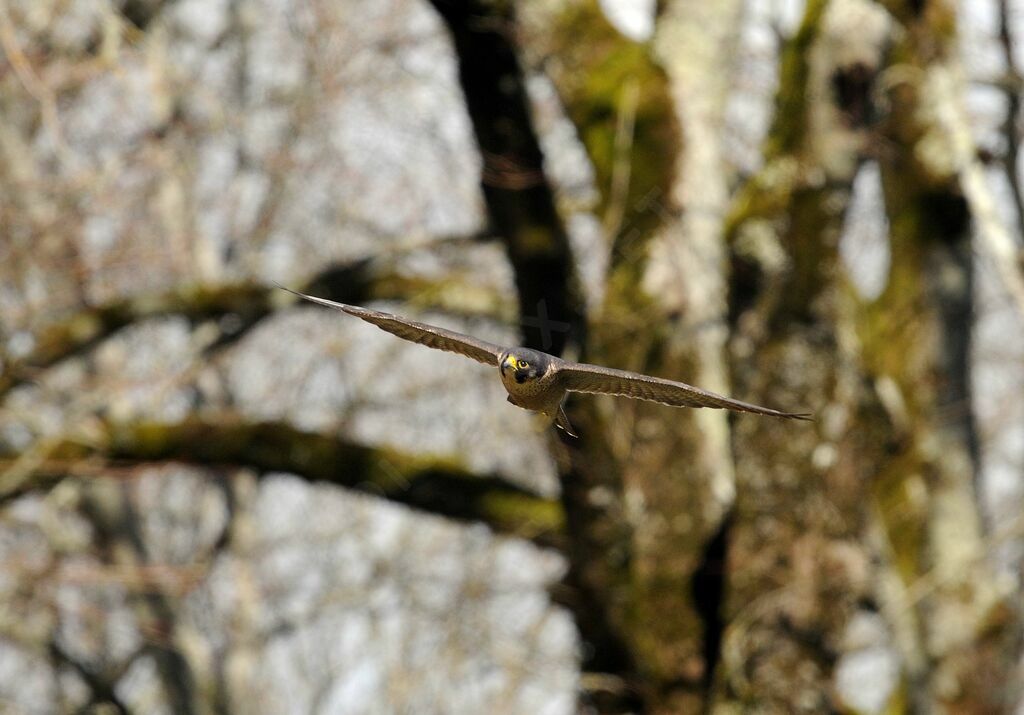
x=789, y=125
x=601, y=76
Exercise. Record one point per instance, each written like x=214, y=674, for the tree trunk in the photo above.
x=797, y=568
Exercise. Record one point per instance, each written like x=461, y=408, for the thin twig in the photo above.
x=1012, y=88
x=29, y=79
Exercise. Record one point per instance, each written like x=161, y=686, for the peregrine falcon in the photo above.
x=538, y=381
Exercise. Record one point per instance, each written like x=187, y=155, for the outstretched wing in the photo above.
x=580, y=377
x=429, y=335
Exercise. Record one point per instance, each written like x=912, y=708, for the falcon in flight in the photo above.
x=538, y=381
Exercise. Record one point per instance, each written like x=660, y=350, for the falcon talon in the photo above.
x=540, y=382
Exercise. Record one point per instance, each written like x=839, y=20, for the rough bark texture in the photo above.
x=796, y=570
x=965, y=624
x=808, y=554
x=651, y=470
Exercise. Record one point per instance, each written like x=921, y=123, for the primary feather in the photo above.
x=429, y=335
x=581, y=377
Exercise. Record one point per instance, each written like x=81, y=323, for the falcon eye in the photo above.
x=523, y=364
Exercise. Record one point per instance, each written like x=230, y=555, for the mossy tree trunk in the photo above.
x=632, y=555
x=963, y=620
x=650, y=115
x=798, y=568
x=889, y=380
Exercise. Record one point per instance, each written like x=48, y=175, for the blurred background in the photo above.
x=214, y=499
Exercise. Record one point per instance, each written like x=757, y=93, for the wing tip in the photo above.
x=802, y=416
x=286, y=288
x=350, y=309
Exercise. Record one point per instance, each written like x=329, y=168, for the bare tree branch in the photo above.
x=1012, y=87
x=110, y=510
x=100, y=685
x=245, y=303
x=429, y=485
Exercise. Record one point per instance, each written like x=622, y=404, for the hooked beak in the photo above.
x=510, y=361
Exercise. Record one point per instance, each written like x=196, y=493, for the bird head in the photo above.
x=523, y=364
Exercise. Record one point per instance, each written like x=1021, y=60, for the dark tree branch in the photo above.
x=110, y=510
x=429, y=485
x=520, y=202
x=93, y=324
x=238, y=308
x=1012, y=88
x=101, y=686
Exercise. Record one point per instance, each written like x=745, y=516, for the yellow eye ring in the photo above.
x=523, y=364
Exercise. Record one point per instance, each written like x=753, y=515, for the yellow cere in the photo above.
x=511, y=361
